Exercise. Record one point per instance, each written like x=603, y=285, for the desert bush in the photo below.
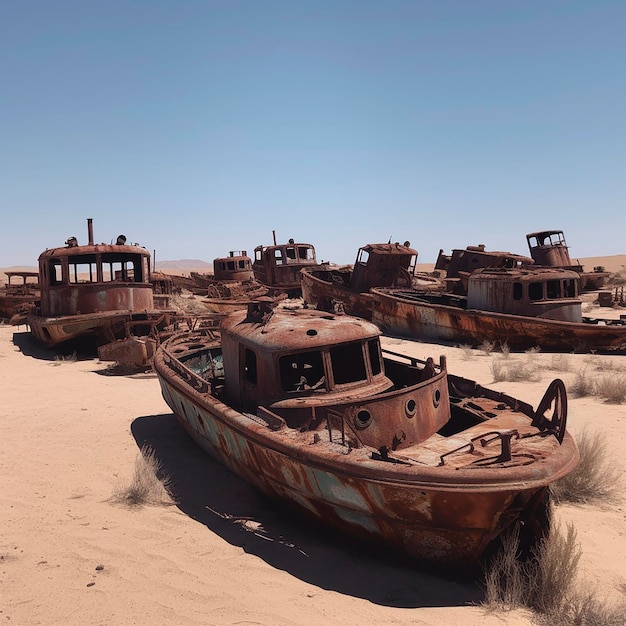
x=586, y=607
x=583, y=384
x=148, y=486
x=595, y=478
x=467, y=351
x=540, y=583
x=612, y=388
x=487, y=347
x=560, y=363
x=515, y=370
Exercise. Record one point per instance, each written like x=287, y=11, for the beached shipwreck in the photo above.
x=522, y=308
x=308, y=407
x=101, y=294
x=506, y=299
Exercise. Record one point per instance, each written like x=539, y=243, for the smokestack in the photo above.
x=274, y=236
x=90, y=230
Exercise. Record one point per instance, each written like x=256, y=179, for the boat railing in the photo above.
x=414, y=361
x=504, y=436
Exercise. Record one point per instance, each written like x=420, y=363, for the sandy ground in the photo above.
x=70, y=433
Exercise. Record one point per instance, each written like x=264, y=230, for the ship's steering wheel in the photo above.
x=555, y=398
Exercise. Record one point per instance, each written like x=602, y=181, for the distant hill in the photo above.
x=185, y=265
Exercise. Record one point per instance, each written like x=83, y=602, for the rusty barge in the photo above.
x=523, y=308
x=308, y=408
x=101, y=292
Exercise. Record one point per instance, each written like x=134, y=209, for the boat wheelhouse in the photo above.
x=278, y=266
x=96, y=290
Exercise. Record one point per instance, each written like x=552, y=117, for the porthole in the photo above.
x=436, y=398
x=410, y=407
x=362, y=419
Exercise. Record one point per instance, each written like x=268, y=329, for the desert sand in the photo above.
x=70, y=436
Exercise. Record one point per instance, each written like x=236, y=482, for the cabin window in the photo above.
x=518, y=291
x=535, y=291
x=569, y=288
x=121, y=269
x=301, y=371
x=83, y=271
x=250, y=369
x=553, y=289
x=348, y=363
x=363, y=256
x=258, y=255
x=56, y=272
x=305, y=253
x=290, y=253
x=231, y=265
x=278, y=256
x=242, y=265
x=374, y=352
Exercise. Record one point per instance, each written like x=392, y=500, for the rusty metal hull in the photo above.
x=414, y=502
x=411, y=314
x=326, y=287
x=103, y=327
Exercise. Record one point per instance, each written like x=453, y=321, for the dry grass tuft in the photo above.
x=467, y=351
x=611, y=388
x=547, y=584
x=148, y=486
x=515, y=370
x=560, y=363
x=583, y=384
x=596, y=478
x=487, y=347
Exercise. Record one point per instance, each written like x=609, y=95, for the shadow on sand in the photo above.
x=231, y=508
x=29, y=346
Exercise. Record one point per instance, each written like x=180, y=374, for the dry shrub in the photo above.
x=487, y=347
x=467, y=351
x=540, y=583
x=587, y=608
x=583, y=384
x=612, y=388
x=148, y=486
x=596, y=478
x=560, y=363
x=547, y=583
x=515, y=370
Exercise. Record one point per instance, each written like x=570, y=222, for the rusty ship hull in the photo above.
x=441, y=498
x=442, y=318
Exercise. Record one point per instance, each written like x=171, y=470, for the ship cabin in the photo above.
x=381, y=264
x=237, y=267
x=462, y=263
x=548, y=247
x=550, y=293
x=22, y=282
x=305, y=367
x=279, y=266
x=94, y=278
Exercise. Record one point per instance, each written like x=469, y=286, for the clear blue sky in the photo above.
x=198, y=127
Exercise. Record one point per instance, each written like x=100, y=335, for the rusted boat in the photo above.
x=278, y=266
x=461, y=263
x=225, y=298
x=97, y=291
x=549, y=248
x=521, y=308
x=308, y=408
x=331, y=287
x=237, y=267
x=19, y=295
